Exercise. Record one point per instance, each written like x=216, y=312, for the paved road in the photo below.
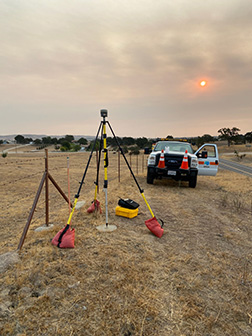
x=236, y=167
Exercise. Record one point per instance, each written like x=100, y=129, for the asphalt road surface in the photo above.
x=235, y=167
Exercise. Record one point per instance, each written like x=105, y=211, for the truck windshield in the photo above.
x=169, y=146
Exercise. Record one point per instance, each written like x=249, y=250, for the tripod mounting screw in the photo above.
x=104, y=113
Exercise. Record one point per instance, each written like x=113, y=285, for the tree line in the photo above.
x=20, y=139
x=231, y=135
x=66, y=143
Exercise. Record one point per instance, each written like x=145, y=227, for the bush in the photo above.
x=134, y=151
x=41, y=147
x=239, y=156
x=66, y=145
x=76, y=147
x=4, y=154
x=125, y=149
x=70, y=147
x=63, y=149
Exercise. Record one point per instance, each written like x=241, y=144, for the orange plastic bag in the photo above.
x=64, y=238
x=153, y=225
x=94, y=206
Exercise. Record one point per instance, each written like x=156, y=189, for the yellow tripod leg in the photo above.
x=71, y=214
x=152, y=214
x=95, y=196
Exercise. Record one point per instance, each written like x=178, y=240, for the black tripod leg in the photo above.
x=98, y=168
x=83, y=178
x=141, y=190
x=120, y=148
x=90, y=156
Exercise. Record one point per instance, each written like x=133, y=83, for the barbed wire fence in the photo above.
x=26, y=172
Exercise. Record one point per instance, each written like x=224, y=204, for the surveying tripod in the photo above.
x=103, y=143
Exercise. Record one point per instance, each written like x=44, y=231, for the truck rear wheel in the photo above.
x=193, y=181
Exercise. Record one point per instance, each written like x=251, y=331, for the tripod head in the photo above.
x=104, y=113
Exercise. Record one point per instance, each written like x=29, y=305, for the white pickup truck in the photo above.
x=204, y=161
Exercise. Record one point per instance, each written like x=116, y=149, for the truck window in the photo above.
x=177, y=147
x=211, y=151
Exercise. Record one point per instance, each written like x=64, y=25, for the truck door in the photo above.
x=208, y=159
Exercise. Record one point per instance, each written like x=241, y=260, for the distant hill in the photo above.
x=11, y=137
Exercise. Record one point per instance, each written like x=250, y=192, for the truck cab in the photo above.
x=203, y=162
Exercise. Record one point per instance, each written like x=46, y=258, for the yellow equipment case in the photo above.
x=124, y=212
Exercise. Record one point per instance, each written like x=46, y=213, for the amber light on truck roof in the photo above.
x=170, y=139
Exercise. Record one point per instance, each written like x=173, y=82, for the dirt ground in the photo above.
x=195, y=280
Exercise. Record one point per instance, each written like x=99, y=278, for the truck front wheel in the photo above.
x=193, y=181
x=150, y=178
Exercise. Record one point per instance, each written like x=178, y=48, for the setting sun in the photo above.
x=203, y=83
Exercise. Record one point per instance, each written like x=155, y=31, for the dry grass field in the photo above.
x=243, y=153
x=195, y=280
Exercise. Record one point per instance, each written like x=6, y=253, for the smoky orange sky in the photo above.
x=63, y=61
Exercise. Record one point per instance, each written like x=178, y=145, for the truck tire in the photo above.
x=150, y=178
x=193, y=181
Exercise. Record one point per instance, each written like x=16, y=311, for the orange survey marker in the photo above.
x=161, y=163
x=184, y=164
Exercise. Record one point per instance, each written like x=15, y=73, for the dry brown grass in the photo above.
x=224, y=148
x=195, y=280
x=236, y=153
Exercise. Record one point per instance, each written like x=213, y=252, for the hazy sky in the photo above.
x=63, y=61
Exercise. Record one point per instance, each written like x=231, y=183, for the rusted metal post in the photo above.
x=32, y=212
x=46, y=189
x=59, y=189
x=119, y=166
x=46, y=177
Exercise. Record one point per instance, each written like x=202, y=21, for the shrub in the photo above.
x=239, y=156
x=125, y=149
x=4, y=154
x=70, y=147
x=76, y=147
x=135, y=152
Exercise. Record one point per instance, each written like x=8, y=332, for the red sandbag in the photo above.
x=64, y=238
x=153, y=225
x=94, y=206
